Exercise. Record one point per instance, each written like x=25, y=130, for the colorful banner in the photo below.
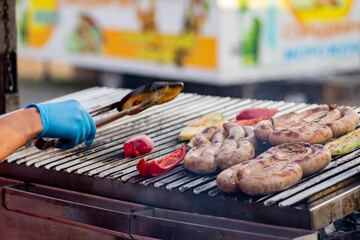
x=212, y=41
x=121, y=29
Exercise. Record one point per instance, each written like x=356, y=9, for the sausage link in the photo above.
x=276, y=169
x=264, y=128
x=250, y=136
x=206, y=135
x=319, y=158
x=312, y=132
x=273, y=178
x=229, y=156
x=200, y=159
x=332, y=116
x=234, y=150
x=348, y=122
x=228, y=180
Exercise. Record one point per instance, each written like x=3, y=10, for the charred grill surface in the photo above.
x=102, y=169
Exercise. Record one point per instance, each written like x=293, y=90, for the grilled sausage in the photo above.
x=312, y=132
x=348, y=122
x=234, y=150
x=276, y=169
x=220, y=147
x=250, y=136
x=200, y=158
x=319, y=158
x=317, y=125
x=264, y=128
x=273, y=178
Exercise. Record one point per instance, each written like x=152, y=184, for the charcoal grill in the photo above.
x=102, y=172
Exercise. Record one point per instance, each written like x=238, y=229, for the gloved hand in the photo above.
x=67, y=120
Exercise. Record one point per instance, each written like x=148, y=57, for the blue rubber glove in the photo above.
x=66, y=120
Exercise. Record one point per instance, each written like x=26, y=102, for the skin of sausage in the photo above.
x=312, y=132
x=264, y=128
x=227, y=180
x=320, y=158
x=273, y=178
x=250, y=136
x=194, y=162
x=316, y=116
x=208, y=161
x=228, y=156
x=199, y=159
x=234, y=150
x=331, y=116
x=348, y=122
x=292, y=151
x=206, y=135
x=274, y=170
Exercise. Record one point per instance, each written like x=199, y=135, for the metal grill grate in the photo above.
x=163, y=123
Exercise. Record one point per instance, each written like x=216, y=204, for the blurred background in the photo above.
x=290, y=50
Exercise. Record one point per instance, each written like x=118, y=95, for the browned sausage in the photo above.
x=250, y=136
x=348, y=122
x=274, y=170
x=200, y=158
x=273, y=178
x=312, y=132
x=311, y=157
x=319, y=158
x=220, y=147
x=264, y=128
x=331, y=116
x=234, y=150
x=229, y=155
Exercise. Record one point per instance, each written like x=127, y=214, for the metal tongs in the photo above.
x=150, y=101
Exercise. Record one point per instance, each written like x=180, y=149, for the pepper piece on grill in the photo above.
x=138, y=145
x=162, y=165
x=252, y=113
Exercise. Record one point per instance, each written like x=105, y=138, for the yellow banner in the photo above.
x=183, y=50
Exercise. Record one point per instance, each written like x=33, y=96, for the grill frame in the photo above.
x=102, y=170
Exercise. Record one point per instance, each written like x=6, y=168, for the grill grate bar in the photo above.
x=328, y=183
x=199, y=181
x=181, y=181
x=148, y=181
x=205, y=187
x=170, y=179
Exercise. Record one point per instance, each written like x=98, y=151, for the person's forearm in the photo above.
x=17, y=129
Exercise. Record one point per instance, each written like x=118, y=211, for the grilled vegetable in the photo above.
x=141, y=93
x=160, y=166
x=138, y=145
x=197, y=125
x=344, y=144
x=252, y=113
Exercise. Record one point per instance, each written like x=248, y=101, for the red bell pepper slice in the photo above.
x=160, y=166
x=253, y=113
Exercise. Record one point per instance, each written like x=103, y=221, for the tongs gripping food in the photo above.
x=151, y=100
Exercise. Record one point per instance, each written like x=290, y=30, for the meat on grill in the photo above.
x=316, y=125
x=278, y=168
x=218, y=146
